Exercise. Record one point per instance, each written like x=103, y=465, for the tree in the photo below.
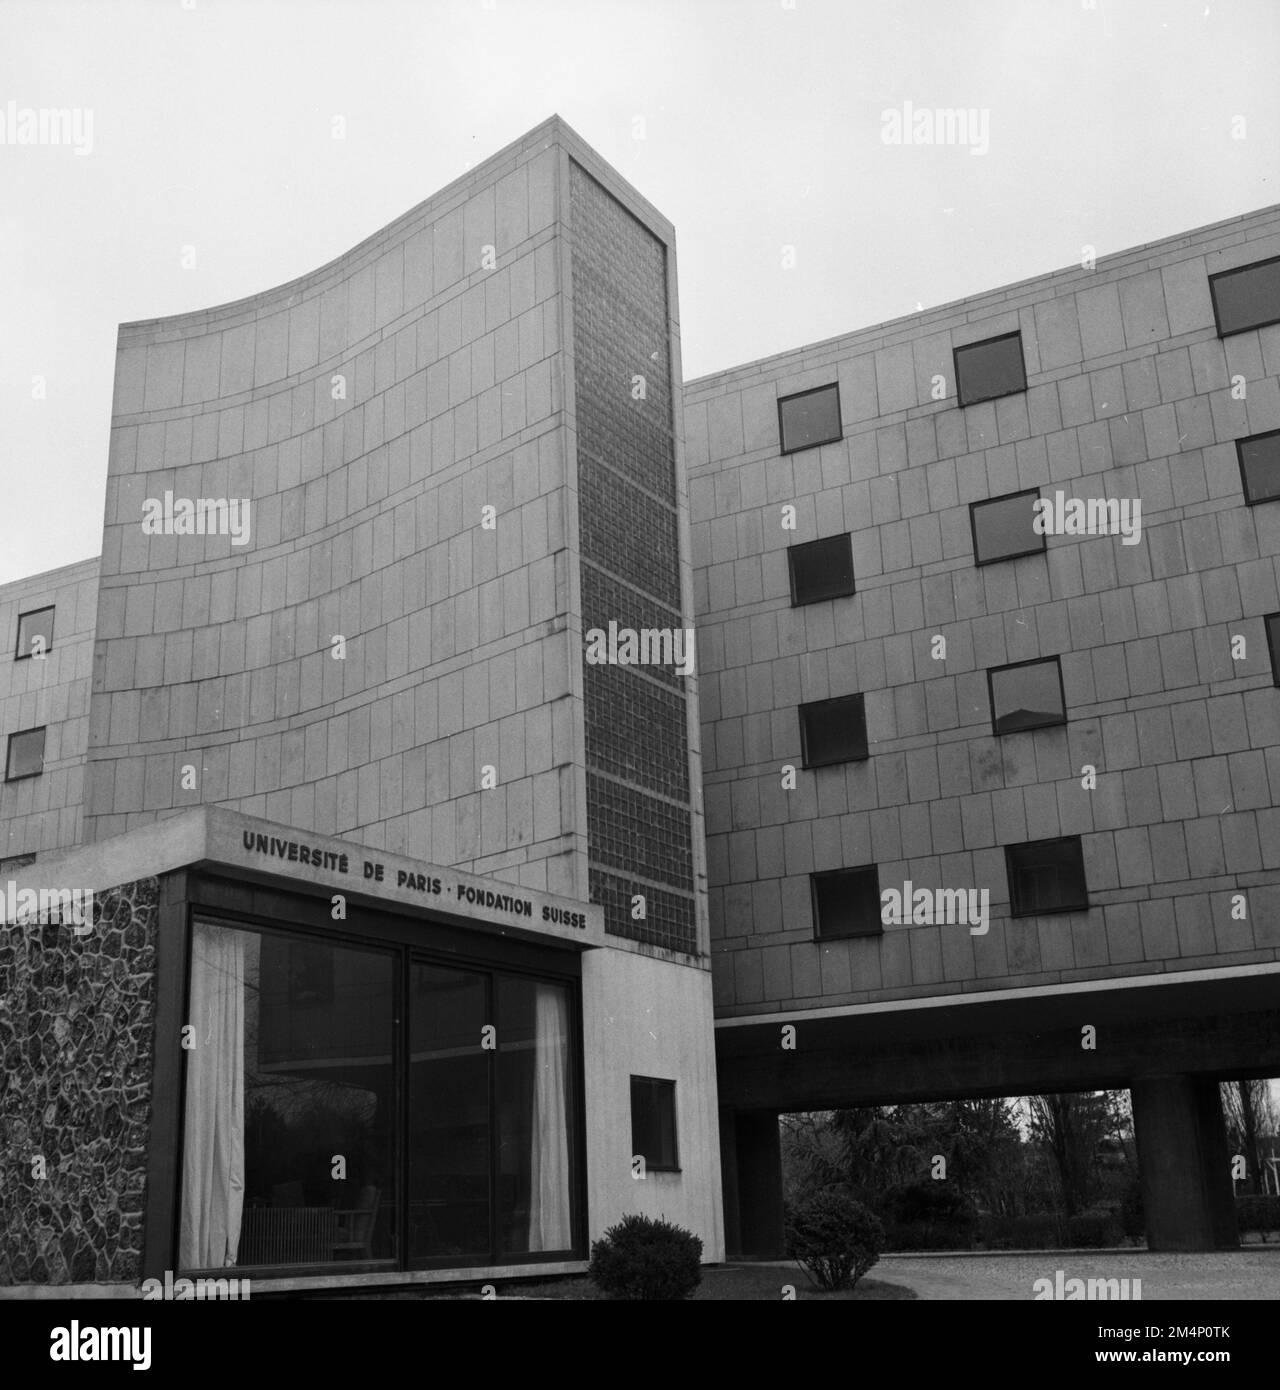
x=1249, y=1111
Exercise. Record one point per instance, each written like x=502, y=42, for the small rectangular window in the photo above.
x=1272, y=621
x=989, y=369
x=36, y=624
x=653, y=1123
x=1027, y=695
x=1260, y=467
x=25, y=755
x=821, y=569
x=1004, y=527
x=810, y=418
x=16, y=861
x=1247, y=297
x=1046, y=876
x=846, y=902
x=833, y=731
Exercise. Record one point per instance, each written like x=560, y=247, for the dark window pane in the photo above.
x=291, y=1067
x=1003, y=527
x=448, y=1114
x=16, y=861
x=1273, y=642
x=1027, y=696
x=821, y=569
x=535, y=1106
x=1046, y=876
x=653, y=1122
x=26, y=755
x=36, y=624
x=833, y=731
x=1260, y=467
x=809, y=419
x=847, y=902
x=989, y=369
x=1246, y=298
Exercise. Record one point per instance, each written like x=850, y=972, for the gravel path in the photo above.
x=1243, y=1274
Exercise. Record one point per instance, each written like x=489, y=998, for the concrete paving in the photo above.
x=1227, y=1275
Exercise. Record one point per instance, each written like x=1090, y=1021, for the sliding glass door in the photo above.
x=320, y=1075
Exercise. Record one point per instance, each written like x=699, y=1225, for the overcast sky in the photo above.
x=752, y=124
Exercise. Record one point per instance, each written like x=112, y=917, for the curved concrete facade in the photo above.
x=368, y=413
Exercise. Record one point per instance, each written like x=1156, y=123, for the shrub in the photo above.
x=835, y=1239
x=643, y=1258
x=1132, y=1219
x=921, y=1235
x=1094, y=1230
x=1261, y=1214
x=1042, y=1231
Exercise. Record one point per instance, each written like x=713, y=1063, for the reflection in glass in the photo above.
x=288, y=1127
x=1026, y=697
x=448, y=1114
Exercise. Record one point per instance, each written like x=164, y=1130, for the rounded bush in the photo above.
x=643, y=1258
x=835, y=1239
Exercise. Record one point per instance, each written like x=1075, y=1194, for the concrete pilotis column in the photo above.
x=1184, y=1164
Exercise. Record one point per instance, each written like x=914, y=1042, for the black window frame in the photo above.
x=799, y=602
x=987, y=342
x=816, y=443
x=1271, y=625
x=1042, y=537
x=1015, y=909
x=1249, y=500
x=993, y=671
x=877, y=929
x=19, y=654
x=665, y=1090
x=1213, y=296
x=437, y=939
x=8, y=753
x=859, y=701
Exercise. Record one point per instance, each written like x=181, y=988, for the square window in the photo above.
x=653, y=1123
x=1004, y=527
x=1260, y=467
x=1027, y=695
x=37, y=623
x=846, y=902
x=989, y=369
x=1046, y=876
x=821, y=569
x=1247, y=297
x=26, y=755
x=810, y=418
x=833, y=731
x=1272, y=621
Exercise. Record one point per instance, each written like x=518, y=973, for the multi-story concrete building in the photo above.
x=399, y=955
x=377, y=736
x=907, y=682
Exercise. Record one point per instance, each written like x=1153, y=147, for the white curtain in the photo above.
x=549, y=1189
x=213, y=1137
